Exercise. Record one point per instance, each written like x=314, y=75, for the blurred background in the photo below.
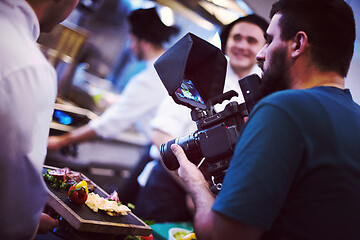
x=91, y=54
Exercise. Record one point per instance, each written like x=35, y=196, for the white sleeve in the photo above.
x=138, y=103
x=173, y=119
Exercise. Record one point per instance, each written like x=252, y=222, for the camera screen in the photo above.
x=188, y=94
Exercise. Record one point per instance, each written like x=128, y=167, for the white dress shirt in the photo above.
x=27, y=96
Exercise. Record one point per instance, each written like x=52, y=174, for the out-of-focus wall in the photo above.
x=108, y=34
x=353, y=79
x=261, y=7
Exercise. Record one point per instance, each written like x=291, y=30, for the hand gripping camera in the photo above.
x=193, y=72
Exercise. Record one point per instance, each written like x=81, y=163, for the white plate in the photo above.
x=172, y=231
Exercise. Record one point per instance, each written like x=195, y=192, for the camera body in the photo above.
x=193, y=72
x=213, y=142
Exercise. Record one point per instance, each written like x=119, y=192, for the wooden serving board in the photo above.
x=84, y=219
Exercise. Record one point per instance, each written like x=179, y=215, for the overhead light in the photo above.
x=226, y=11
x=196, y=18
x=166, y=15
x=224, y=15
x=234, y=5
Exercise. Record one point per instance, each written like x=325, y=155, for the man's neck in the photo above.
x=241, y=72
x=306, y=74
x=316, y=79
x=154, y=53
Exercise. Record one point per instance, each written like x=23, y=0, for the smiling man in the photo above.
x=295, y=172
x=241, y=40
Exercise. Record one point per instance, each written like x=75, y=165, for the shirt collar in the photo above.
x=31, y=19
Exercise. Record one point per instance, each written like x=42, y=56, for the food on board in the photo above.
x=112, y=208
x=65, y=178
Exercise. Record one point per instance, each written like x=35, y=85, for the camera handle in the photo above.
x=197, y=113
x=219, y=99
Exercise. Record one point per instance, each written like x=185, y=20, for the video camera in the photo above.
x=193, y=72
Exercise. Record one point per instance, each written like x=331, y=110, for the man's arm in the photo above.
x=46, y=224
x=159, y=137
x=84, y=133
x=209, y=224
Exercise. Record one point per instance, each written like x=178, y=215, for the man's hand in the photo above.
x=189, y=173
x=198, y=189
x=47, y=223
x=84, y=133
x=209, y=224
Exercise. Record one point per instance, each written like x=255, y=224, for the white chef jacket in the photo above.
x=137, y=105
x=27, y=97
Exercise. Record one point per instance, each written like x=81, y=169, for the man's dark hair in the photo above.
x=329, y=25
x=146, y=24
x=253, y=18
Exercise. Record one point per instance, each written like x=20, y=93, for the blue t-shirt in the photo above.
x=296, y=168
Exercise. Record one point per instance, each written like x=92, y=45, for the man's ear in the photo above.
x=300, y=43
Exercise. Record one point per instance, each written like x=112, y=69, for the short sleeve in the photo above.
x=262, y=169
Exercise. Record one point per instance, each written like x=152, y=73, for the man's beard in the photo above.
x=276, y=77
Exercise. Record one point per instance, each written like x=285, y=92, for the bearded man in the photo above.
x=295, y=172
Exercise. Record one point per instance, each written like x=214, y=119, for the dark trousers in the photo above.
x=162, y=199
x=130, y=189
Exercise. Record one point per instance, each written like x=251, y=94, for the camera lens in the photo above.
x=168, y=157
x=188, y=144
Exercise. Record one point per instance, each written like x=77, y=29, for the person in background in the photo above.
x=142, y=94
x=27, y=96
x=295, y=172
x=241, y=41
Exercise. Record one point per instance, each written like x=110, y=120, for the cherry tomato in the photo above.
x=78, y=194
x=150, y=237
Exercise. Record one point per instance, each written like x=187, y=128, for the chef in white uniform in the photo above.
x=27, y=97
